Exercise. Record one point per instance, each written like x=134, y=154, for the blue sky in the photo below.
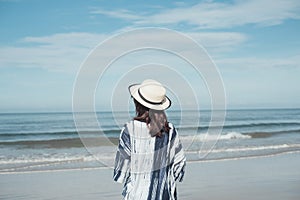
x=254, y=43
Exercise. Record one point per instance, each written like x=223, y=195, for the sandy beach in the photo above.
x=275, y=177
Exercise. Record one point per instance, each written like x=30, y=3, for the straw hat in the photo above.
x=151, y=94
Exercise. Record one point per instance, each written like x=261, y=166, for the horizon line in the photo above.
x=171, y=110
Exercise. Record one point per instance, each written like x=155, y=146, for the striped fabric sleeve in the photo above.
x=179, y=159
x=123, y=157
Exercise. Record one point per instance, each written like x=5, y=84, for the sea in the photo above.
x=33, y=142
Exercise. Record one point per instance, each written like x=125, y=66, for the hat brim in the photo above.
x=133, y=90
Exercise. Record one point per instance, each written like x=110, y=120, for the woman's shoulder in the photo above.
x=134, y=123
x=173, y=131
x=135, y=127
x=171, y=125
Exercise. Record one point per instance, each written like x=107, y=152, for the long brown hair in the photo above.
x=155, y=119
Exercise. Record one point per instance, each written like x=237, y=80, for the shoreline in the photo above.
x=188, y=162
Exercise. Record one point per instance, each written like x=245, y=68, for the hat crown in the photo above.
x=150, y=94
x=152, y=91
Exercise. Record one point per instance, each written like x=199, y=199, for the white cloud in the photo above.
x=291, y=62
x=214, y=15
x=67, y=39
x=122, y=13
x=66, y=51
x=59, y=52
x=216, y=42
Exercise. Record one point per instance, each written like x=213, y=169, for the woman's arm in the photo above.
x=179, y=161
x=123, y=157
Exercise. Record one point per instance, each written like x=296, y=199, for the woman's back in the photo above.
x=148, y=166
x=150, y=157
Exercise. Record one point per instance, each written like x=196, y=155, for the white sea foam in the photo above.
x=48, y=160
x=234, y=135
x=40, y=159
x=35, y=159
x=28, y=163
x=207, y=137
x=252, y=148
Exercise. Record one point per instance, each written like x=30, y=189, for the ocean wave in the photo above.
x=72, y=139
x=46, y=159
x=234, y=135
x=260, y=124
x=56, y=162
x=237, y=135
x=252, y=148
x=116, y=129
x=62, y=158
x=271, y=133
x=207, y=137
x=59, y=133
x=46, y=162
x=243, y=125
x=236, y=132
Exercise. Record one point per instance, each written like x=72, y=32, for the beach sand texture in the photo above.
x=267, y=178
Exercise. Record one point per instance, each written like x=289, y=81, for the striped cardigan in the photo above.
x=148, y=166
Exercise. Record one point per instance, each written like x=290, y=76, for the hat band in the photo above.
x=151, y=102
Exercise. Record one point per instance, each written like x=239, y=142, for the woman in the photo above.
x=150, y=157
